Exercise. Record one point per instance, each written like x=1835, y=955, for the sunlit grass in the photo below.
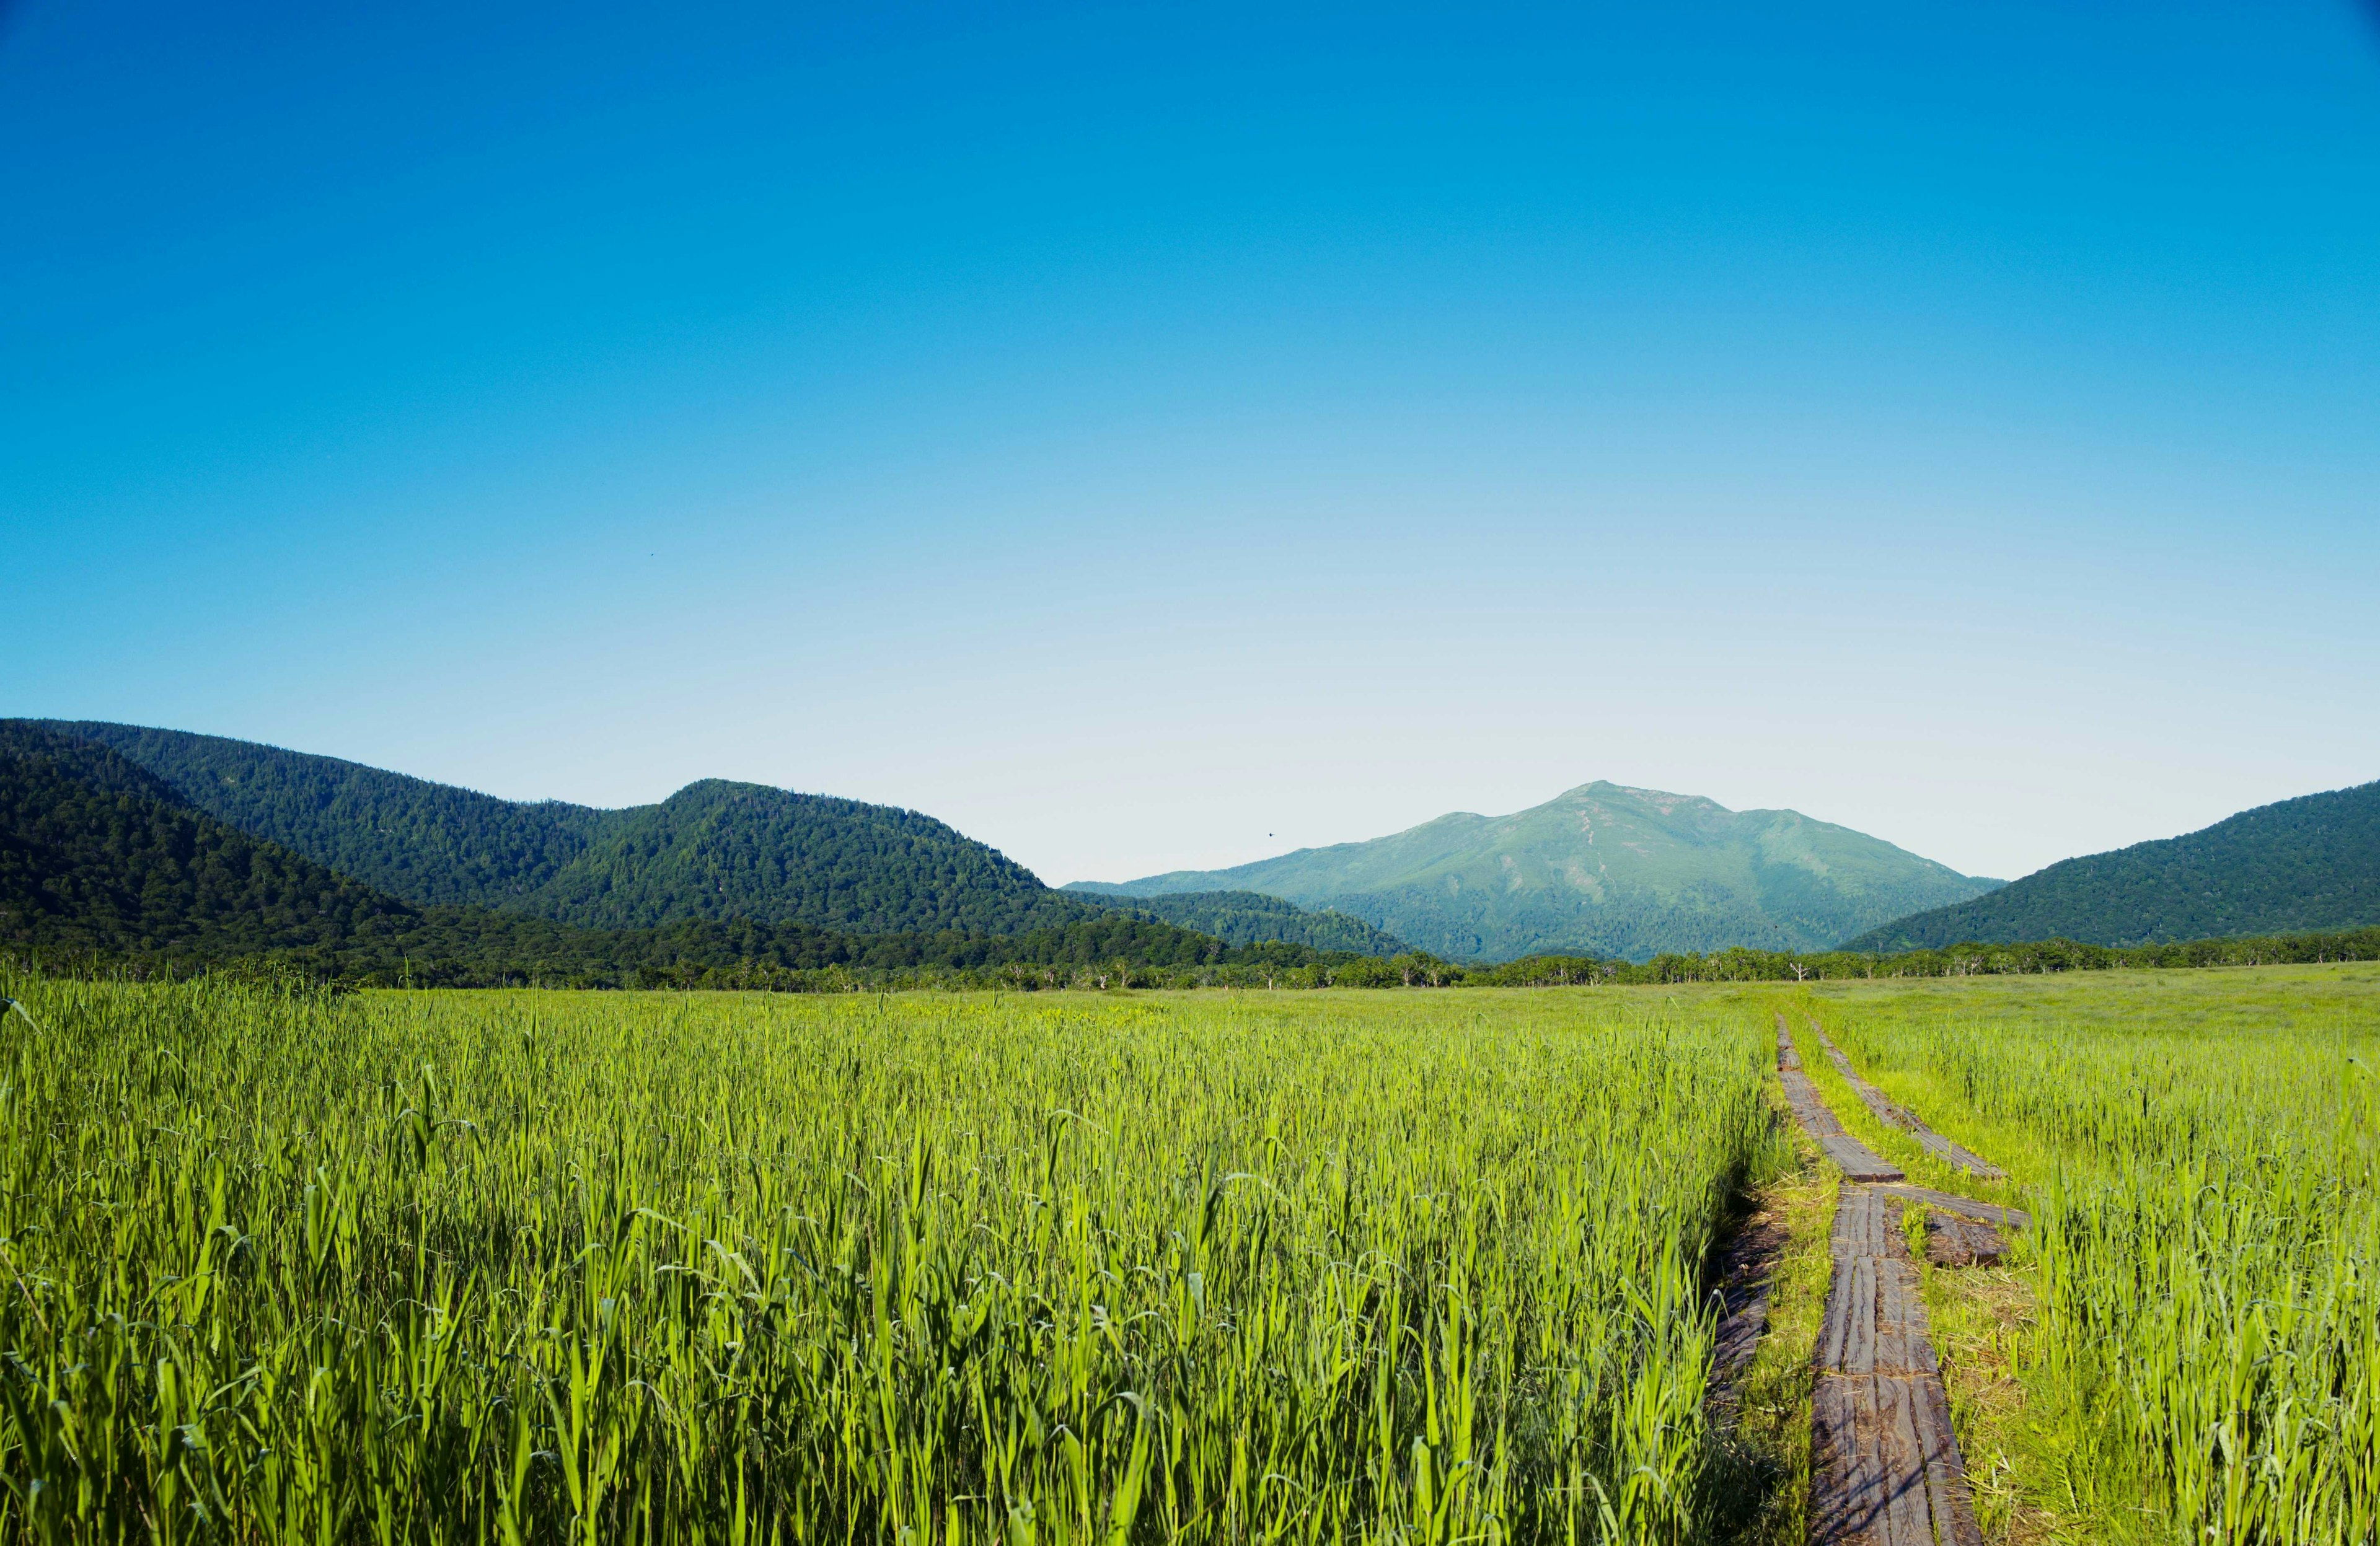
x=2188, y=1343
x=447, y=1267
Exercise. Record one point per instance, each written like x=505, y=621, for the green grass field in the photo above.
x=481, y=1267
x=2191, y=1336
x=1398, y=1266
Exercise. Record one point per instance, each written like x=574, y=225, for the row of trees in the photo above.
x=1073, y=961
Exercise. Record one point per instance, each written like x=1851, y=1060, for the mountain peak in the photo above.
x=1601, y=868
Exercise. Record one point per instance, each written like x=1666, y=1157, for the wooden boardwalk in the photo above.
x=1885, y=1466
x=1894, y=1115
x=1852, y=1157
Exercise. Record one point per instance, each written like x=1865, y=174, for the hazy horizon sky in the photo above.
x=1161, y=437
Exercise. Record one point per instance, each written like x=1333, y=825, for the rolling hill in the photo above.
x=100, y=857
x=96, y=854
x=714, y=850
x=1600, y=870
x=2300, y=865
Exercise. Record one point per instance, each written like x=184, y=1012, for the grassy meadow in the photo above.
x=2187, y=1346
x=582, y=1267
x=1405, y=1266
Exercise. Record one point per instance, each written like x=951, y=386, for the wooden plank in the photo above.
x=1905, y=1511
x=1857, y=1160
x=1897, y=1116
x=1854, y=1158
x=1965, y=1207
x=1951, y=1241
x=1883, y=1471
x=1747, y=1268
x=1947, y=1497
x=1885, y=1468
x=1844, y=1487
x=1885, y=1464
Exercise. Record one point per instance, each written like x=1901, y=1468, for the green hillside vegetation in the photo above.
x=102, y=861
x=102, y=866
x=2303, y=865
x=423, y=842
x=1601, y=871
x=1250, y=917
x=714, y=850
x=97, y=855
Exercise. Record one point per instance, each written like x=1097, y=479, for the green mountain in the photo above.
x=1601, y=870
x=1251, y=918
x=96, y=854
x=2300, y=865
x=713, y=850
x=99, y=856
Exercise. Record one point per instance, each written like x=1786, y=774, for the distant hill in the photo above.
x=99, y=855
x=96, y=854
x=714, y=850
x=1251, y=918
x=2303, y=865
x=1601, y=870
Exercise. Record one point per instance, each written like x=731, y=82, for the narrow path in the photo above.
x=1854, y=1158
x=1885, y=1466
x=1900, y=1117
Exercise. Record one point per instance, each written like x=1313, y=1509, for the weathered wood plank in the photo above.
x=1897, y=1116
x=1885, y=1468
x=1906, y=1513
x=1965, y=1207
x=1746, y=1271
x=1947, y=1497
x=1959, y=1242
x=1857, y=1161
x=1854, y=1158
x=1840, y=1500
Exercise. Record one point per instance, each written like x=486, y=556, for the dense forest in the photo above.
x=97, y=855
x=1251, y=918
x=2309, y=863
x=714, y=850
x=103, y=862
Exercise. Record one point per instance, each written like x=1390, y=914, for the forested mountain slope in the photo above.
x=1250, y=918
x=424, y=841
x=98, y=855
x=714, y=850
x=1601, y=870
x=2303, y=864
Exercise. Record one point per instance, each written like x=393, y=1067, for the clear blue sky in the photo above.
x=1152, y=437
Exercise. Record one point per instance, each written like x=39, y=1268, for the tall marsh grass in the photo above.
x=522, y=1267
x=2200, y=1153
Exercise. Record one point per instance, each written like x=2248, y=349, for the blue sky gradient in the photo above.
x=1150, y=438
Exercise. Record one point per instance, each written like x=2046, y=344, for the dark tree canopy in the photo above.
x=2303, y=865
x=713, y=850
x=102, y=857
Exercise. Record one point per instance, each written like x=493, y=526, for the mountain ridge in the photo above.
x=717, y=849
x=101, y=858
x=2298, y=865
x=1602, y=869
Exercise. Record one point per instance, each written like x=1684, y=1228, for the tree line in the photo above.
x=1125, y=953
